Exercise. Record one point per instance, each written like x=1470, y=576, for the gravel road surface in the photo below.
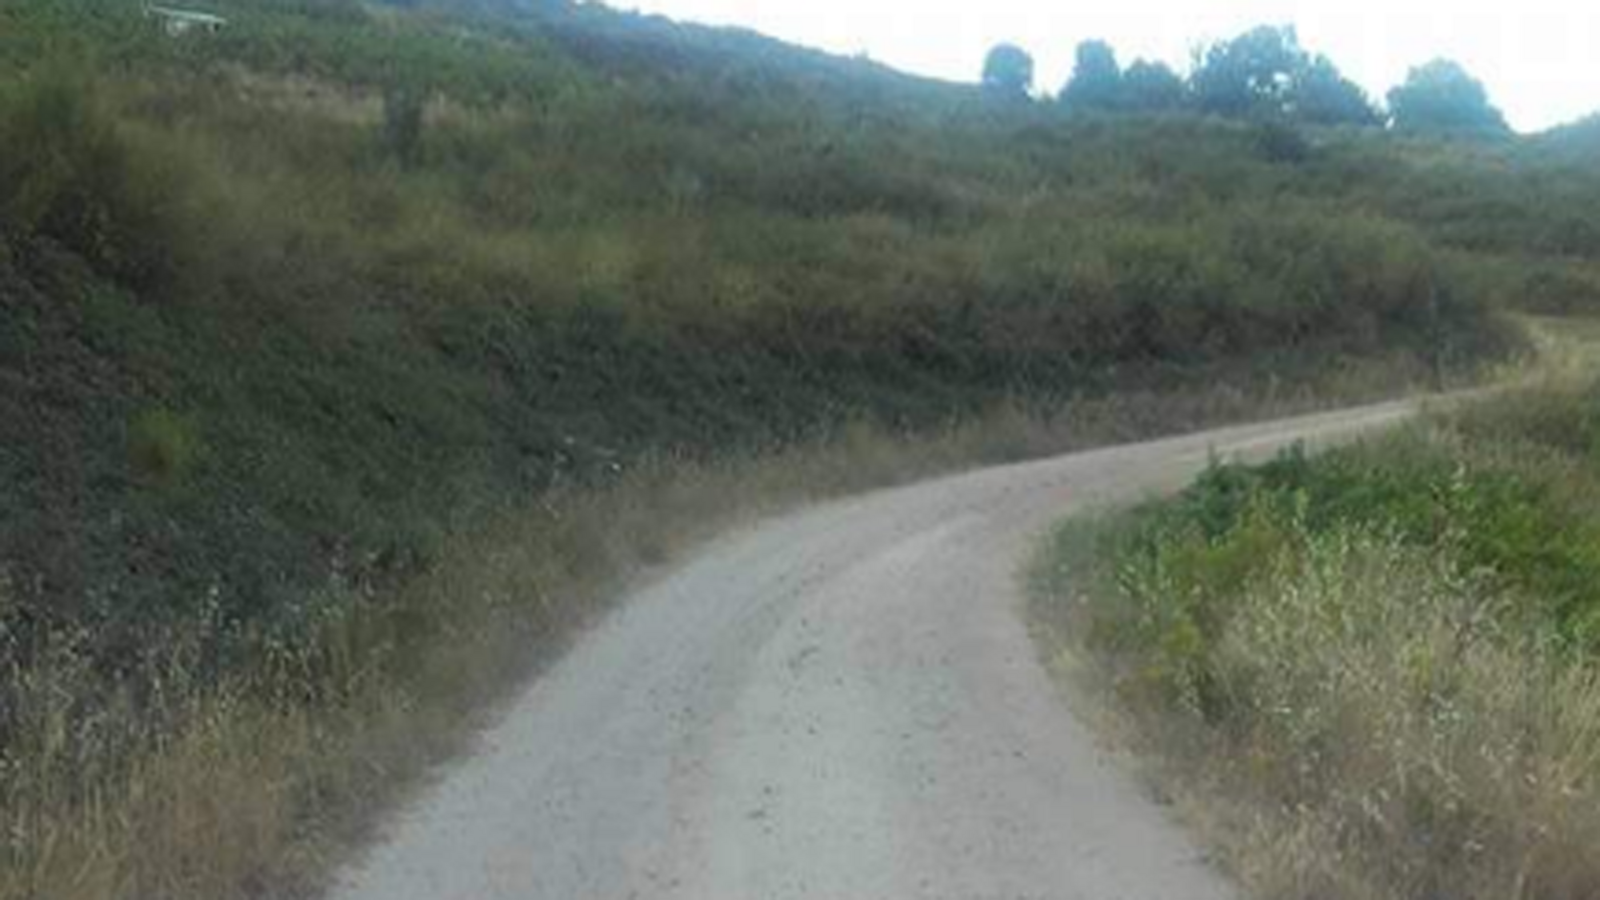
x=841, y=703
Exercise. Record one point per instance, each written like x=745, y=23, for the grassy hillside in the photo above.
x=1383, y=662
x=307, y=289
x=288, y=313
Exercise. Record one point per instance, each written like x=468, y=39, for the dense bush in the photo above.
x=71, y=174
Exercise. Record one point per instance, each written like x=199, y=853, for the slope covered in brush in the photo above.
x=289, y=301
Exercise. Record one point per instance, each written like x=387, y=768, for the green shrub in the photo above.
x=71, y=174
x=403, y=112
x=1280, y=142
x=163, y=445
x=1510, y=491
x=1561, y=288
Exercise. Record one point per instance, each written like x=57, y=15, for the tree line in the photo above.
x=1262, y=74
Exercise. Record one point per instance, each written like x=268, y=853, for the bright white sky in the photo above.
x=1539, y=58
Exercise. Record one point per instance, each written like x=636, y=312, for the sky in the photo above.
x=1539, y=58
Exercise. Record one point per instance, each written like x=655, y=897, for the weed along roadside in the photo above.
x=1368, y=674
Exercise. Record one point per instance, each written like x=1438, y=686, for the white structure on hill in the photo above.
x=179, y=22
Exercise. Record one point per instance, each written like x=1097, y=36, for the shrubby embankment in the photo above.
x=1372, y=674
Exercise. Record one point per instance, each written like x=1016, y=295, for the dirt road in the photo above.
x=843, y=703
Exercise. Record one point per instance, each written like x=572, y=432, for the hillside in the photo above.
x=421, y=259
x=287, y=310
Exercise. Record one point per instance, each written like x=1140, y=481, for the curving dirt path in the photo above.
x=842, y=703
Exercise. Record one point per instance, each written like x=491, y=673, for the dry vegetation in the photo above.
x=1374, y=675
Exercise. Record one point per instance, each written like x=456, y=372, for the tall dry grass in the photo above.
x=1372, y=676
x=1364, y=726
x=1391, y=738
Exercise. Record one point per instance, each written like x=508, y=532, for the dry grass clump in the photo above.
x=1362, y=724
x=1396, y=740
x=1374, y=675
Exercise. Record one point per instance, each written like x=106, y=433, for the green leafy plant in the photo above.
x=163, y=445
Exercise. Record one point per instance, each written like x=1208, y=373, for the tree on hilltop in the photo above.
x=1008, y=72
x=1096, y=79
x=1441, y=96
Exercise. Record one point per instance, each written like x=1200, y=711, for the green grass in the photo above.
x=1385, y=659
